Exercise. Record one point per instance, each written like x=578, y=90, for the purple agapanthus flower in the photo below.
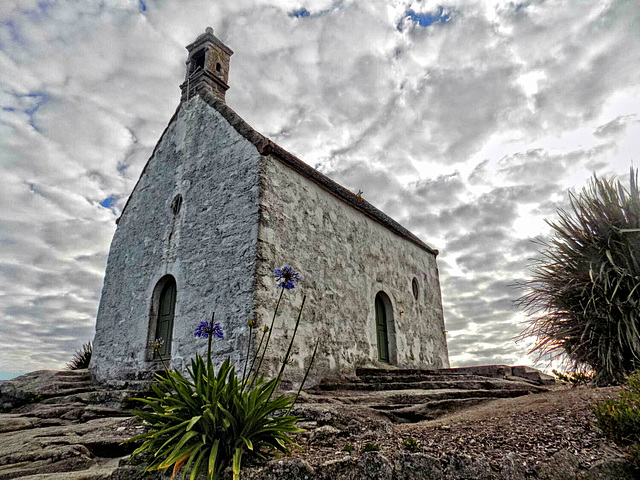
x=209, y=328
x=287, y=277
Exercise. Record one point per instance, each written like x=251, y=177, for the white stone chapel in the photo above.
x=217, y=207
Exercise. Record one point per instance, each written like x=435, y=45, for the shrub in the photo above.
x=348, y=448
x=619, y=418
x=575, y=378
x=585, y=290
x=81, y=358
x=369, y=447
x=207, y=420
x=411, y=444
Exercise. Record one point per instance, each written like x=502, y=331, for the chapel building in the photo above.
x=217, y=207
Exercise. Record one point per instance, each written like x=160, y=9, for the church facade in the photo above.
x=217, y=207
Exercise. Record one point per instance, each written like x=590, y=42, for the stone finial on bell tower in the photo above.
x=207, y=66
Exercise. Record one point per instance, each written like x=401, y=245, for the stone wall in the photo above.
x=209, y=247
x=346, y=258
x=242, y=215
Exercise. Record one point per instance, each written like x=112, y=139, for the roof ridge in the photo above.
x=266, y=146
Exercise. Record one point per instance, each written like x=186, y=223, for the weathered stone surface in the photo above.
x=303, y=223
x=429, y=410
x=22, y=390
x=42, y=385
x=247, y=207
x=563, y=465
x=405, y=466
x=533, y=375
x=416, y=395
x=62, y=448
x=352, y=419
x=209, y=247
x=100, y=470
x=57, y=435
x=40, y=448
x=413, y=466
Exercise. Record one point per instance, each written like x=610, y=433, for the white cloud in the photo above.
x=468, y=131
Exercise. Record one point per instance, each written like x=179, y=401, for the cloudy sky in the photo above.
x=467, y=121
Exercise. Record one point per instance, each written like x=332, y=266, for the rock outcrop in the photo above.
x=62, y=425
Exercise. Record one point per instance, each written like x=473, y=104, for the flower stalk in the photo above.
x=273, y=319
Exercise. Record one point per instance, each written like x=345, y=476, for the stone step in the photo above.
x=133, y=386
x=490, y=371
x=40, y=410
x=83, y=397
x=71, y=411
x=96, y=411
x=120, y=400
x=484, y=384
x=414, y=397
x=61, y=392
x=408, y=378
x=405, y=371
x=71, y=375
x=64, y=384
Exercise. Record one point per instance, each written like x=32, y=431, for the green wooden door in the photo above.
x=166, y=309
x=381, y=330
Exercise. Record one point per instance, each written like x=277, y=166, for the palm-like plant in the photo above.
x=81, y=358
x=207, y=420
x=584, y=295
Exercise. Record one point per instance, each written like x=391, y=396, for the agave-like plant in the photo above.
x=206, y=421
x=584, y=294
x=81, y=358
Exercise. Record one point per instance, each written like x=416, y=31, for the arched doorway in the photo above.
x=382, y=330
x=164, y=307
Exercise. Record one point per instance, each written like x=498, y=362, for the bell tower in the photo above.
x=207, y=66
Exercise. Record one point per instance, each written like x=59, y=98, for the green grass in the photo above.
x=619, y=418
x=369, y=447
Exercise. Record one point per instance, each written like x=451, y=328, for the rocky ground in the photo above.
x=60, y=425
x=544, y=435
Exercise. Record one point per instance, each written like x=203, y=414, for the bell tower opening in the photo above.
x=207, y=67
x=198, y=61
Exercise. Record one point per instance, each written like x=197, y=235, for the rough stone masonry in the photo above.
x=216, y=208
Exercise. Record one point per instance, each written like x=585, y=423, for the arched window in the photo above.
x=163, y=307
x=385, y=333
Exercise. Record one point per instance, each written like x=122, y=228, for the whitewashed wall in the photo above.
x=242, y=215
x=346, y=258
x=210, y=247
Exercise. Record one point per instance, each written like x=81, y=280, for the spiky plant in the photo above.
x=584, y=294
x=81, y=358
x=210, y=419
